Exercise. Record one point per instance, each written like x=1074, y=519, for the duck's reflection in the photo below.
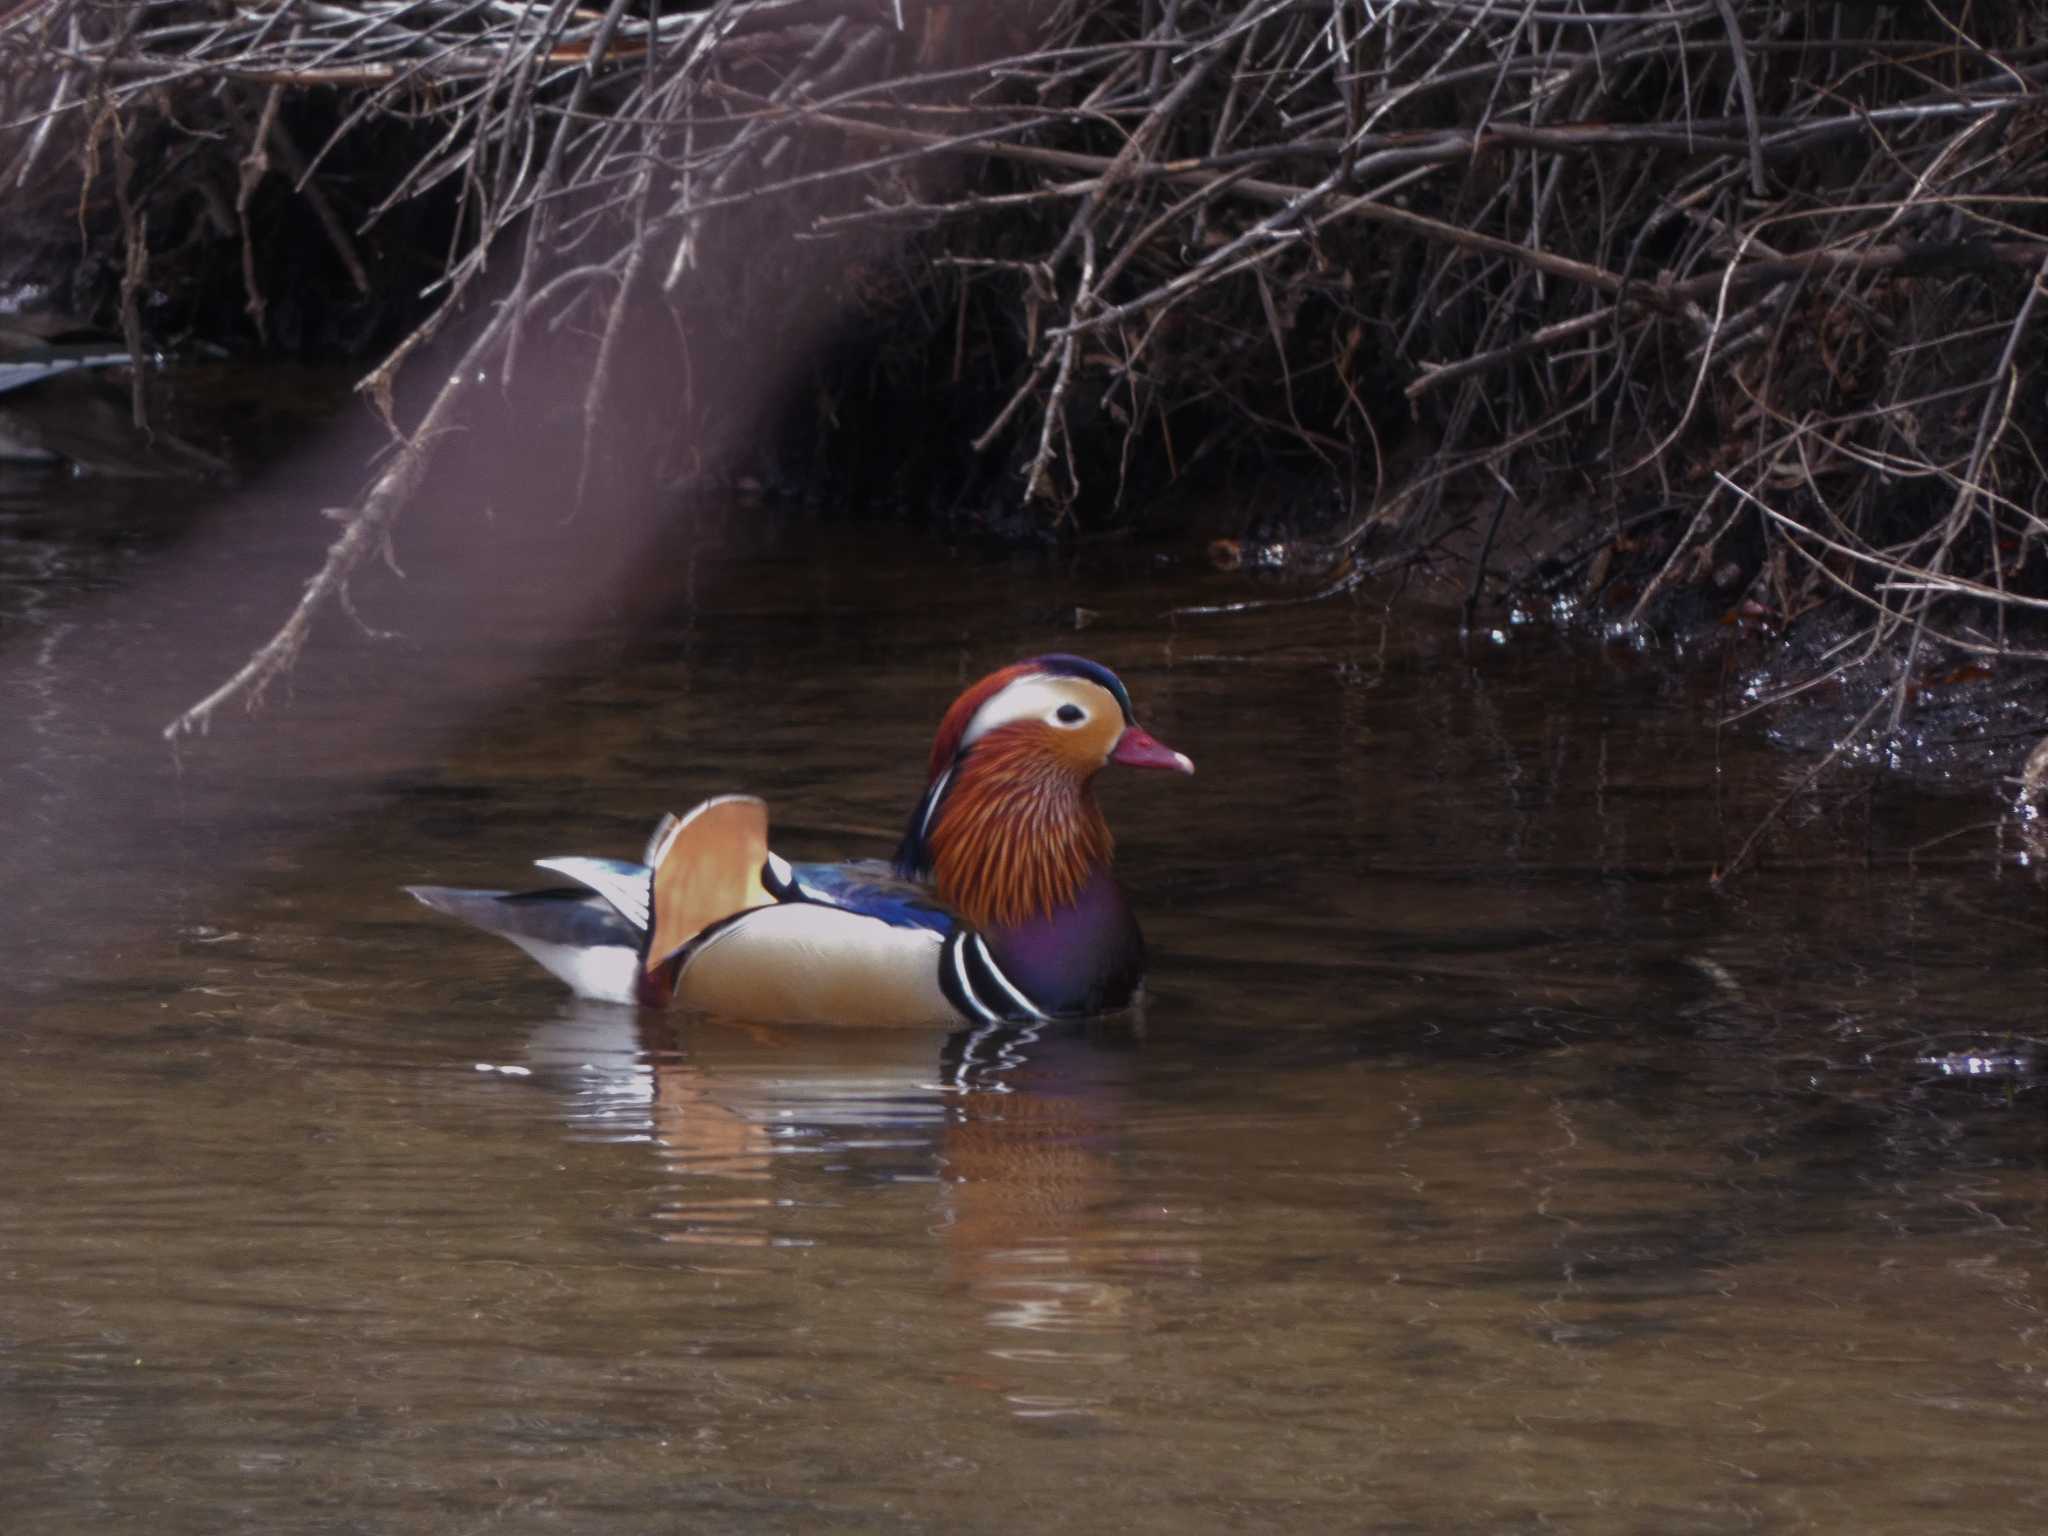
x=1029, y=1163
x=1001, y=1145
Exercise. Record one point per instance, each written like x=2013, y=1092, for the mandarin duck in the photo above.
x=999, y=906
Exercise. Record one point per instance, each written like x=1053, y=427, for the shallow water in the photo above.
x=1475, y=1165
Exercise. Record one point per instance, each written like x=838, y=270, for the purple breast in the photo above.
x=1085, y=958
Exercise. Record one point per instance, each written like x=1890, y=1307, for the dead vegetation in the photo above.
x=1724, y=304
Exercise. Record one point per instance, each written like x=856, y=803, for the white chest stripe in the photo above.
x=1023, y=1002
x=988, y=1014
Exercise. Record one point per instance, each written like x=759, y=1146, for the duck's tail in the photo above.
x=577, y=935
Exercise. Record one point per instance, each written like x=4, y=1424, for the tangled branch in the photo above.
x=1637, y=253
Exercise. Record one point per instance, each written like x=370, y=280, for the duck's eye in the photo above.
x=1070, y=714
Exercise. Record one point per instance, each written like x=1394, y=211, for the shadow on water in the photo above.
x=1474, y=1166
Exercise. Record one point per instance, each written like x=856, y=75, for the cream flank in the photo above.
x=818, y=965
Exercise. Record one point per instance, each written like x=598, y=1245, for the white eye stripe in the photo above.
x=1038, y=696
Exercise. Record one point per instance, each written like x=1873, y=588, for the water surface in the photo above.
x=1475, y=1165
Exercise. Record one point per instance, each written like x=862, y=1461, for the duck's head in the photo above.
x=1008, y=828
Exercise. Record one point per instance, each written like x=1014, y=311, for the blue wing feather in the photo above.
x=870, y=888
